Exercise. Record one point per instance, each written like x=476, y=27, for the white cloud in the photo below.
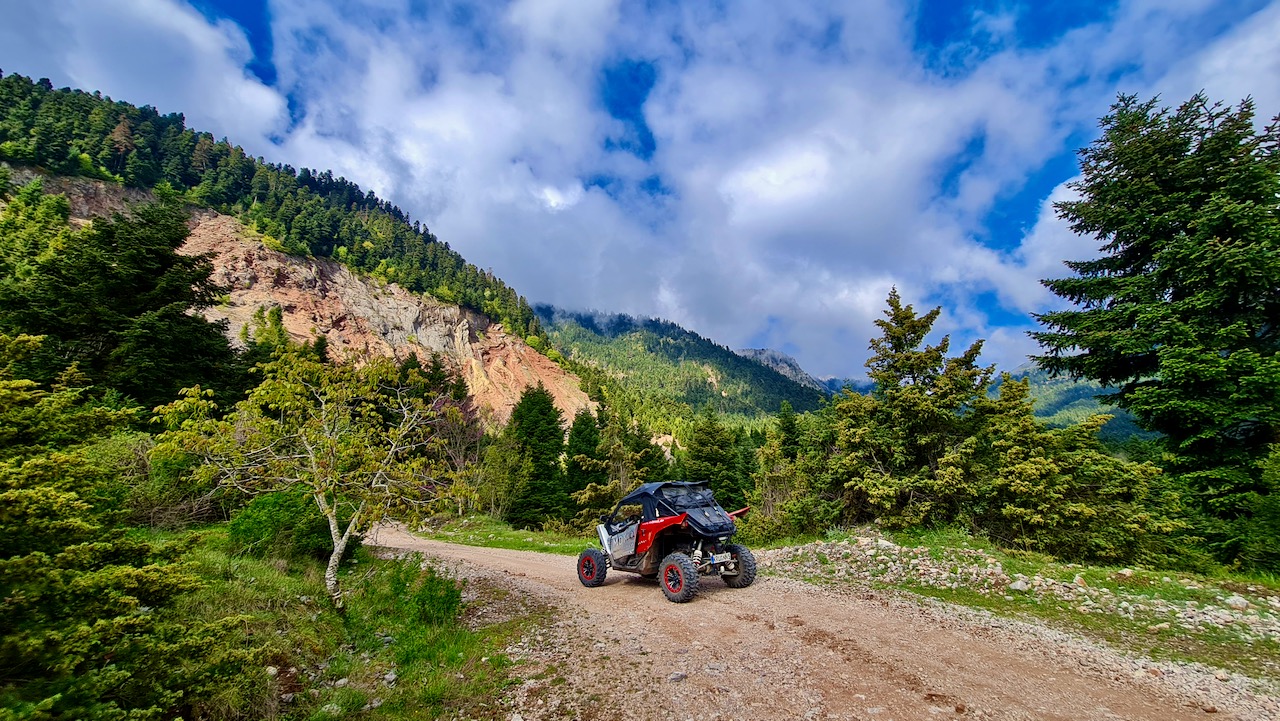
x=804, y=144
x=148, y=52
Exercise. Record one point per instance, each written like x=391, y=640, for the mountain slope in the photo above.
x=671, y=366
x=1062, y=401
x=303, y=212
x=357, y=314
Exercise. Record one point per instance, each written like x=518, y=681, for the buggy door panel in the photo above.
x=623, y=543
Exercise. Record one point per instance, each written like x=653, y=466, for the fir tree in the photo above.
x=537, y=430
x=581, y=450
x=1180, y=314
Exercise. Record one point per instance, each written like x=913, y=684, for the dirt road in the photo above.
x=787, y=650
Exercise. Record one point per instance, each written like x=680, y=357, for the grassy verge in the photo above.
x=401, y=649
x=478, y=530
x=1224, y=620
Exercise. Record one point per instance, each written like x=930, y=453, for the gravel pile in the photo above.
x=872, y=558
x=1250, y=614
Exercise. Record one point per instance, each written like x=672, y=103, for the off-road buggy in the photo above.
x=674, y=532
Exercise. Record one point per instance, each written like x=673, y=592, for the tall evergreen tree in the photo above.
x=581, y=450
x=538, y=431
x=1181, y=314
x=907, y=449
x=712, y=456
x=788, y=431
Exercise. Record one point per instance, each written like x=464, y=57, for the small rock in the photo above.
x=1237, y=602
x=677, y=677
x=1079, y=581
x=332, y=709
x=342, y=682
x=1019, y=585
x=1125, y=573
x=1222, y=676
x=1159, y=627
x=390, y=677
x=1208, y=708
x=286, y=698
x=272, y=671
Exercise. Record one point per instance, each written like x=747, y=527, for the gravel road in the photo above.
x=784, y=649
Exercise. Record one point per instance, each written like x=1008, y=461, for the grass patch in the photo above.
x=478, y=530
x=399, y=651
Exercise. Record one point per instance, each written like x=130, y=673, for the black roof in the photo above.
x=651, y=489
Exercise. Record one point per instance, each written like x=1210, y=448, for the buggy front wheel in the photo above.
x=592, y=567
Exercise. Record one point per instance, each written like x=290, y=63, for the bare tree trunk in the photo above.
x=340, y=540
x=331, y=572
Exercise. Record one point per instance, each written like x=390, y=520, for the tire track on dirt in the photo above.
x=782, y=649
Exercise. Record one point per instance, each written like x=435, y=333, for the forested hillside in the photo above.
x=669, y=366
x=305, y=212
x=1061, y=401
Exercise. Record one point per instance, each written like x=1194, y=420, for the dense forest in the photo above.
x=156, y=481
x=305, y=212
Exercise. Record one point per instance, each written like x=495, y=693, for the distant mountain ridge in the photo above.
x=1059, y=402
x=784, y=364
x=668, y=364
x=791, y=368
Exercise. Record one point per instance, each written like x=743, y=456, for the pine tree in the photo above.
x=712, y=456
x=114, y=298
x=581, y=449
x=907, y=450
x=788, y=431
x=87, y=621
x=537, y=428
x=1181, y=313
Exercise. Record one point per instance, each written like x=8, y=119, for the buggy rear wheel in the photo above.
x=679, y=578
x=746, y=564
x=592, y=567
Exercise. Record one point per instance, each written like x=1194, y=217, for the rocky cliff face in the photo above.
x=359, y=315
x=784, y=364
x=356, y=314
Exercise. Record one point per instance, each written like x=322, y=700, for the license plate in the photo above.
x=721, y=557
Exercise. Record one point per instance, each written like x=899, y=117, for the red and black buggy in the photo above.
x=674, y=532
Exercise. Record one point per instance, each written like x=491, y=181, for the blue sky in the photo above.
x=760, y=172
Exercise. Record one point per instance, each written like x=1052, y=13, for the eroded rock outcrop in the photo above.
x=360, y=315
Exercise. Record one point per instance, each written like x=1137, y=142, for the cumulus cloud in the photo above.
x=147, y=52
x=806, y=156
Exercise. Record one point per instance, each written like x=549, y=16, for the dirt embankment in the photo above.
x=783, y=649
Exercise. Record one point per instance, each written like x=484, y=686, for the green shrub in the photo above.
x=437, y=599
x=284, y=525
x=434, y=598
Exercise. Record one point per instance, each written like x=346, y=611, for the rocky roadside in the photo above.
x=873, y=563
x=1251, y=614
